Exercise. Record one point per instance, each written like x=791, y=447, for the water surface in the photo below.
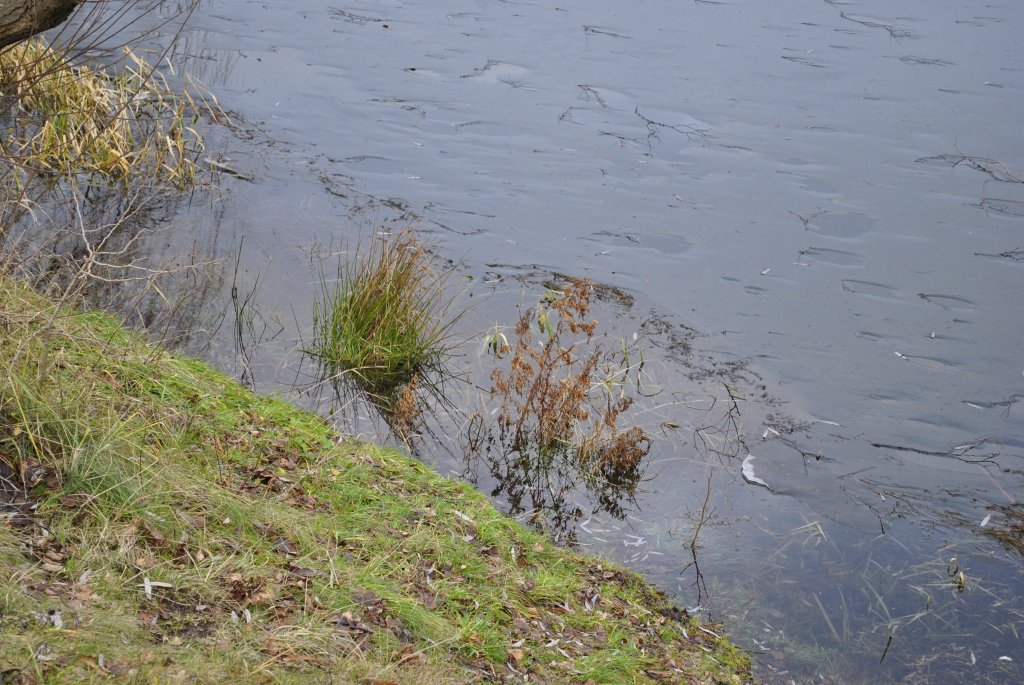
x=825, y=199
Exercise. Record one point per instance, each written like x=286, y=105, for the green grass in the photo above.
x=385, y=316
x=184, y=529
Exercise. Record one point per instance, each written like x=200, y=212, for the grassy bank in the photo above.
x=159, y=523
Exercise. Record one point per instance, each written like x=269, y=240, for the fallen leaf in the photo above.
x=154, y=533
x=75, y=500
x=145, y=560
x=415, y=656
x=365, y=597
x=287, y=547
x=302, y=572
x=197, y=520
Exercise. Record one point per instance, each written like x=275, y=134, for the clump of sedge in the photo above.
x=384, y=318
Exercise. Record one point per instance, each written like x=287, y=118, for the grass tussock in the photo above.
x=66, y=119
x=160, y=523
x=386, y=315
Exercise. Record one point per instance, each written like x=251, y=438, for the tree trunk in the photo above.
x=20, y=19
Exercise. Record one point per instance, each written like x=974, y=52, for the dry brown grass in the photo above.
x=92, y=163
x=71, y=119
x=563, y=392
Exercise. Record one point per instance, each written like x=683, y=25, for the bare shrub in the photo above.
x=561, y=397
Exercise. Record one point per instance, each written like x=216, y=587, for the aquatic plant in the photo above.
x=128, y=127
x=564, y=392
x=1009, y=531
x=556, y=428
x=385, y=316
x=91, y=160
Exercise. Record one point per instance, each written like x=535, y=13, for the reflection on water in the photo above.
x=119, y=248
x=830, y=193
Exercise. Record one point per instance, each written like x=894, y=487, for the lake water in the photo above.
x=823, y=200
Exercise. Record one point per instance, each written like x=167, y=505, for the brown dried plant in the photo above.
x=549, y=390
x=405, y=410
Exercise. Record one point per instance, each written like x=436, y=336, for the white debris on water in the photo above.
x=748, y=472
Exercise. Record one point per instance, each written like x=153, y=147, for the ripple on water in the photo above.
x=1003, y=206
x=665, y=244
x=841, y=224
x=494, y=71
x=934, y=363
x=871, y=289
x=811, y=184
x=829, y=256
x=947, y=301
